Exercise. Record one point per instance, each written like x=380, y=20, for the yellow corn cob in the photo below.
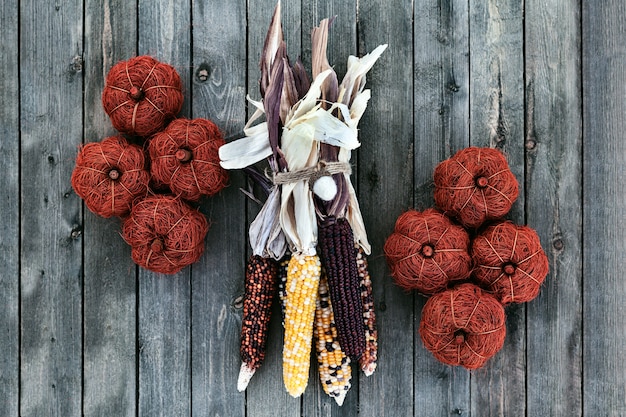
x=333, y=364
x=370, y=356
x=303, y=278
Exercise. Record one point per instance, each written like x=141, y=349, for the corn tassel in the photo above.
x=370, y=355
x=260, y=287
x=338, y=256
x=303, y=279
x=333, y=364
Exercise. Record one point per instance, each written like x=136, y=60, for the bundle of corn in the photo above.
x=309, y=131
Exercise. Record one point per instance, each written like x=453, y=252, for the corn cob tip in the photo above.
x=369, y=369
x=245, y=375
x=296, y=392
x=340, y=398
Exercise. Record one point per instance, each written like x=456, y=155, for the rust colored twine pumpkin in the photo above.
x=475, y=185
x=109, y=175
x=142, y=95
x=165, y=233
x=185, y=157
x=463, y=326
x=427, y=251
x=509, y=262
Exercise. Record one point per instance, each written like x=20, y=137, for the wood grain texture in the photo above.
x=165, y=301
x=267, y=384
x=554, y=191
x=384, y=191
x=604, y=207
x=82, y=332
x=10, y=209
x=441, y=127
x=51, y=230
x=219, y=47
x=110, y=298
x=497, y=120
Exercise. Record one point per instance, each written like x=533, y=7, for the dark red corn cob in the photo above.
x=370, y=355
x=260, y=287
x=338, y=256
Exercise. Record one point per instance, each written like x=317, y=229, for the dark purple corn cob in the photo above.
x=338, y=256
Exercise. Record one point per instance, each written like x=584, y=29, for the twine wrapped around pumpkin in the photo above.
x=165, y=233
x=475, y=185
x=427, y=251
x=509, y=262
x=109, y=175
x=142, y=95
x=463, y=326
x=185, y=157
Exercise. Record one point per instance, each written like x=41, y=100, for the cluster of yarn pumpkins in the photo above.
x=158, y=165
x=466, y=258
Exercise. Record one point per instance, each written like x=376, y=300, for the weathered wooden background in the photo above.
x=85, y=332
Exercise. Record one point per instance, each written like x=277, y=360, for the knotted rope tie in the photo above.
x=312, y=174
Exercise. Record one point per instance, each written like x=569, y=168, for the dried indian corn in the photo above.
x=260, y=287
x=338, y=254
x=370, y=355
x=333, y=364
x=283, y=267
x=303, y=278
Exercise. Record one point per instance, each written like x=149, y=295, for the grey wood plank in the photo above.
x=497, y=119
x=441, y=106
x=342, y=42
x=165, y=301
x=266, y=395
x=110, y=280
x=385, y=185
x=554, y=191
x=10, y=209
x=217, y=279
x=51, y=37
x=604, y=208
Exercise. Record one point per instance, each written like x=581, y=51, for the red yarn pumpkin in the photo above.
x=475, y=185
x=510, y=262
x=185, y=157
x=426, y=251
x=463, y=326
x=142, y=95
x=165, y=234
x=109, y=175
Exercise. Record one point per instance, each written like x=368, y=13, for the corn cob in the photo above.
x=283, y=265
x=260, y=287
x=303, y=278
x=370, y=355
x=333, y=364
x=338, y=256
